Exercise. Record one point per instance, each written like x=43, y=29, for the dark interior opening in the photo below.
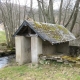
x=25, y=31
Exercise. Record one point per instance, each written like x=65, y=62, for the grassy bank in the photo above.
x=53, y=71
x=2, y=37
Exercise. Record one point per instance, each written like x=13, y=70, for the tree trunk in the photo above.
x=60, y=12
x=75, y=14
x=71, y=15
x=66, y=12
x=40, y=11
x=31, y=11
x=43, y=11
x=51, y=14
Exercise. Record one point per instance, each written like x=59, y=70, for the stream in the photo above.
x=5, y=60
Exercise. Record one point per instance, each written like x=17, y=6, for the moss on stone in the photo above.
x=63, y=29
x=53, y=31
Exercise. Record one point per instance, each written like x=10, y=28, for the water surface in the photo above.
x=3, y=62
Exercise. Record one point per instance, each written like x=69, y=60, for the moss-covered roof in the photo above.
x=53, y=33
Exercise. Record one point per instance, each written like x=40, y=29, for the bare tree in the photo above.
x=71, y=15
x=39, y=11
x=9, y=18
x=4, y=21
x=60, y=12
x=75, y=14
x=43, y=11
x=19, y=13
x=51, y=14
x=65, y=14
x=31, y=13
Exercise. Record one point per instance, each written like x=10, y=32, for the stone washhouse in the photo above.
x=35, y=38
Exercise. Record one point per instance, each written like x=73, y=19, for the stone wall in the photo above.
x=36, y=48
x=62, y=48
x=23, y=49
x=48, y=49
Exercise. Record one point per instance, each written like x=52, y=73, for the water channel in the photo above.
x=3, y=62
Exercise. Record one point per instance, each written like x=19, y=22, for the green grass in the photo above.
x=2, y=37
x=53, y=71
